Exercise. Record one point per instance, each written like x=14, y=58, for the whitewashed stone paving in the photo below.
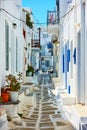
x=45, y=115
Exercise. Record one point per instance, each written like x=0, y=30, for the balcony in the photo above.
x=35, y=43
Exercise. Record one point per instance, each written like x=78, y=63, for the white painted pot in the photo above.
x=13, y=96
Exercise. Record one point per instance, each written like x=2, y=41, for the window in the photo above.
x=47, y=63
x=7, y=45
x=45, y=35
x=16, y=54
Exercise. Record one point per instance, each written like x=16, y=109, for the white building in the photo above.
x=27, y=37
x=72, y=37
x=11, y=38
x=73, y=44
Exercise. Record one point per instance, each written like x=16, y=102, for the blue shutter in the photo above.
x=74, y=55
x=68, y=59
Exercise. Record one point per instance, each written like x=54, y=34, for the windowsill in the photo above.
x=10, y=103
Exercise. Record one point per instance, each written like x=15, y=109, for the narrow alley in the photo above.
x=45, y=112
x=43, y=65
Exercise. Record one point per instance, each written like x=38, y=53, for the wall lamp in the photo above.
x=83, y=2
x=14, y=25
x=25, y=48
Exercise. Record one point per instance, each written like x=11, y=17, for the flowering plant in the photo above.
x=12, y=82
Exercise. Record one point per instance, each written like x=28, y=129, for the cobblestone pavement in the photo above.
x=45, y=114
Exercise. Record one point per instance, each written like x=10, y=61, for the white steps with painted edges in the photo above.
x=67, y=99
x=77, y=115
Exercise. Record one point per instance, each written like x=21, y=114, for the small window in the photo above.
x=7, y=45
x=16, y=54
x=47, y=63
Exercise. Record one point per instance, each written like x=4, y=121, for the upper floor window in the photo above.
x=16, y=54
x=7, y=45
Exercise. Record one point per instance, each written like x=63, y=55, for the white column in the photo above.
x=82, y=86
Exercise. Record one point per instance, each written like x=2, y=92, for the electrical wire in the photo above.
x=59, y=18
x=1, y=9
x=11, y=15
x=76, y=5
x=35, y=18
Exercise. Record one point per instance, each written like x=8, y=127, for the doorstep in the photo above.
x=55, y=79
x=67, y=109
x=67, y=99
x=76, y=114
x=81, y=112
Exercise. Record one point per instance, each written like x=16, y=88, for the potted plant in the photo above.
x=4, y=94
x=30, y=70
x=14, y=86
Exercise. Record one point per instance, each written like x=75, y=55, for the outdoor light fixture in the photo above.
x=25, y=48
x=14, y=25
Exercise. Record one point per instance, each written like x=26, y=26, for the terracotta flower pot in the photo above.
x=5, y=96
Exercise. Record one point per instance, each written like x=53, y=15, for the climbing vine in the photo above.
x=28, y=21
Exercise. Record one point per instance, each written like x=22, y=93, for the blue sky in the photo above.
x=39, y=8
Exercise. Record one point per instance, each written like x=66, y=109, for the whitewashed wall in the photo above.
x=63, y=9
x=74, y=30
x=86, y=52
x=68, y=35
x=11, y=8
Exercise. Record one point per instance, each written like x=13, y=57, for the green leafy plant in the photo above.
x=30, y=69
x=28, y=21
x=12, y=82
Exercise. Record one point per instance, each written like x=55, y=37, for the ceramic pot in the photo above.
x=13, y=96
x=5, y=96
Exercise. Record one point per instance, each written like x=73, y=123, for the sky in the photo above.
x=39, y=9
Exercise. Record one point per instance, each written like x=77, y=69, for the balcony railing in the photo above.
x=35, y=43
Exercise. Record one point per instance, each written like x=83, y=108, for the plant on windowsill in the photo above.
x=13, y=86
x=13, y=83
x=29, y=71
